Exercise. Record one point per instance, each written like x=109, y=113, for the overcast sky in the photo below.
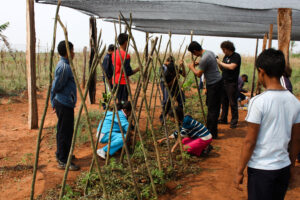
x=14, y=12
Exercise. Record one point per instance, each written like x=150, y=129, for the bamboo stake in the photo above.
x=119, y=123
x=84, y=67
x=46, y=105
x=144, y=96
x=258, y=84
x=254, y=68
x=172, y=105
x=270, y=36
x=199, y=94
x=88, y=121
x=134, y=114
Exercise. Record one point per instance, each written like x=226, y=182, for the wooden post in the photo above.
x=264, y=46
x=254, y=69
x=270, y=36
x=284, y=23
x=93, y=43
x=31, y=68
x=265, y=42
x=84, y=67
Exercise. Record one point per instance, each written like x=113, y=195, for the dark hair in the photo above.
x=111, y=47
x=62, y=49
x=194, y=46
x=272, y=62
x=228, y=45
x=171, y=59
x=125, y=106
x=179, y=113
x=246, y=76
x=122, y=38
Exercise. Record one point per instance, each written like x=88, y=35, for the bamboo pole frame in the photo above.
x=46, y=104
x=254, y=68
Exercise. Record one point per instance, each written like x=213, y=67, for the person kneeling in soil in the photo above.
x=124, y=111
x=196, y=139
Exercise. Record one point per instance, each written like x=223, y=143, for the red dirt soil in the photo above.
x=18, y=144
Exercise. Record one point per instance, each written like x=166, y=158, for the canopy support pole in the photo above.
x=31, y=68
x=254, y=69
x=93, y=43
x=284, y=21
x=270, y=36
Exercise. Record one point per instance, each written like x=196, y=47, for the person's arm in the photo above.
x=175, y=145
x=163, y=139
x=129, y=71
x=230, y=66
x=294, y=150
x=197, y=72
x=61, y=78
x=181, y=64
x=247, y=150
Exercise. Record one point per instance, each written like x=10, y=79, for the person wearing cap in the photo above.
x=108, y=69
x=230, y=67
x=241, y=90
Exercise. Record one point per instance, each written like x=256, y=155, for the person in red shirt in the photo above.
x=122, y=94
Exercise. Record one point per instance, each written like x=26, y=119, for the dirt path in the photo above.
x=18, y=144
x=216, y=180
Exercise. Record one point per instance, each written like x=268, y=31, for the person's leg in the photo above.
x=64, y=131
x=214, y=103
x=232, y=90
x=197, y=146
x=180, y=98
x=261, y=184
x=225, y=105
x=116, y=143
x=282, y=183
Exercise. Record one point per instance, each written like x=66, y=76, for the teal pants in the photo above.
x=116, y=142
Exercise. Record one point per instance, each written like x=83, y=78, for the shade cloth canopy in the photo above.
x=234, y=18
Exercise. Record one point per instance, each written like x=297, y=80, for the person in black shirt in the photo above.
x=169, y=72
x=230, y=67
x=108, y=70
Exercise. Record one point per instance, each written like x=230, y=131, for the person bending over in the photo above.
x=209, y=67
x=196, y=137
x=124, y=111
x=170, y=74
x=273, y=140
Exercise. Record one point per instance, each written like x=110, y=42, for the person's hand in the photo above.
x=53, y=110
x=239, y=180
x=173, y=150
x=191, y=66
x=160, y=141
x=219, y=62
x=181, y=62
x=196, y=63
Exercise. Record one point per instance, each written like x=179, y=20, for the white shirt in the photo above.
x=276, y=111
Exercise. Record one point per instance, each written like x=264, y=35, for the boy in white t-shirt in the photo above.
x=273, y=139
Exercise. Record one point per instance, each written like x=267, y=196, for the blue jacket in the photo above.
x=116, y=129
x=63, y=87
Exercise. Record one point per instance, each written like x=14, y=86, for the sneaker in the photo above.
x=208, y=149
x=72, y=167
x=101, y=153
x=222, y=122
x=73, y=157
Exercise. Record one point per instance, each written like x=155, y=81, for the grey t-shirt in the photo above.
x=209, y=65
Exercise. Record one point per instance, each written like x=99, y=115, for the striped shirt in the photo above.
x=192, y=129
